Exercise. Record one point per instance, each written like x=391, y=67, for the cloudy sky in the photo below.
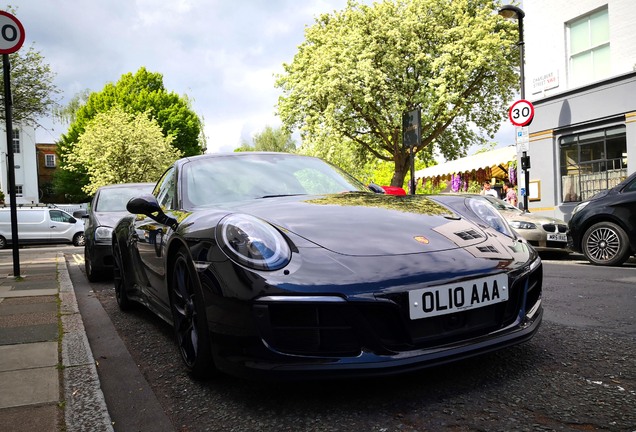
x=223, y=54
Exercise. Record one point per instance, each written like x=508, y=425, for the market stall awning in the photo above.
x=494, y=159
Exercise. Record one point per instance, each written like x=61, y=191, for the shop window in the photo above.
x=589, y=48
x=592, y=162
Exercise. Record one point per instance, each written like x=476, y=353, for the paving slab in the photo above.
x=29, y=386
x=28, y=356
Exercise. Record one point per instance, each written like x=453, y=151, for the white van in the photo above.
x=39, y=225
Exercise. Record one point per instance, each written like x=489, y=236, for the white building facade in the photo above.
x=25, y=164
x=580, y=75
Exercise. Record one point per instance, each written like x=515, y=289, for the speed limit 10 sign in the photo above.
x=521, y=113
x=11, y=33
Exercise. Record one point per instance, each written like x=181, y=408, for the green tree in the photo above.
x=271, y=139
x=119, y=147
x=360, y=69
x=142, y=92
x=32, y=88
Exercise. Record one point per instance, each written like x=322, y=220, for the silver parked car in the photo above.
x=546, y=234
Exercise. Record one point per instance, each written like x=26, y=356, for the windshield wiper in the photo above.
x=281, y=195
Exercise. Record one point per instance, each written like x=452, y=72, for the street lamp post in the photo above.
x=514, y=12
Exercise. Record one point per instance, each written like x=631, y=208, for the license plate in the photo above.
x=457, y=297
x=557, y=237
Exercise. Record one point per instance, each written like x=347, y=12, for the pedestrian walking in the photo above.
x=488, y=190
x=511, y=195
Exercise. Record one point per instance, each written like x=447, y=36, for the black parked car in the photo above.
x=604, y=228
x=279, y=265
x=107, y=207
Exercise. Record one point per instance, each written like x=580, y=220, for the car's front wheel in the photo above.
x=79, y=239
x=606, y=243
x=120, y=281
x=189, y=318
x=3, y=242
x=91, y=274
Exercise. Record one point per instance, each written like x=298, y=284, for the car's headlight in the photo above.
x=522, y=225
x=103, y=233
x=487, y=213
x=580, y=207
x=252, y=242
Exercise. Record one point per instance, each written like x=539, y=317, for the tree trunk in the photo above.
x=401, y=160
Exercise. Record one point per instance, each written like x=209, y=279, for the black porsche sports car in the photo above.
x=279, y=265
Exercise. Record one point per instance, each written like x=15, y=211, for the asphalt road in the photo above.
x=577, y=374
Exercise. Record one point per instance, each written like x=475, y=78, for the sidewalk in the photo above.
x=48, y=380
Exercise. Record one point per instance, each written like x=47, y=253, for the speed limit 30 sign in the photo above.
x=11, y=33
x=521, y=113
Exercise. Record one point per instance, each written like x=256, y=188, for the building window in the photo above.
x=589, y=48
x=16, y=141
x=592, y=162
x=18, y=190
x=49, y=160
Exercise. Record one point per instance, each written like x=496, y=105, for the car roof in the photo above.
x=123, y=185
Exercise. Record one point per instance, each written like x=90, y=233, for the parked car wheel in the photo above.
x=79, y=239
x=120, y=282
x=189, y=317
x=91, y=274
x=605, y=243
x=3, y=242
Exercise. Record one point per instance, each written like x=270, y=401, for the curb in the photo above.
x=85, y=408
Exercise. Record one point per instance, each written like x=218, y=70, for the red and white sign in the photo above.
x=11, y=33
x=521, y=113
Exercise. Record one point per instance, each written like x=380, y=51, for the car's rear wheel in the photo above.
x=79, y=239
x=189, y=318
x=605, y=243
x=3, y=242
x=121, y=282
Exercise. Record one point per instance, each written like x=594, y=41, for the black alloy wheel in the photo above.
x=189, y=318
x=120, y=282
x=606, y=244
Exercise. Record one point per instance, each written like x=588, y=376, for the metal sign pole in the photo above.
x=8, y=104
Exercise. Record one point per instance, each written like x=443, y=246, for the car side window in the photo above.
x=631, y=187
x=165, y=190
x=59, y=216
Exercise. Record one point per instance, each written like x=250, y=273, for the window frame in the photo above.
x=49, y=157
x=590, y=169
x=575, y=76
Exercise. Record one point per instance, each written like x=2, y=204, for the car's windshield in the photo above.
x=257, y=176
x=502, y=205
x=115, y=199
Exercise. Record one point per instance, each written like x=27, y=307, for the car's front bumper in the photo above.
x=319, y=337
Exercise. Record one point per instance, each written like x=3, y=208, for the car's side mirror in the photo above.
x=375, y=188
x=79, y=214
x=148, y=205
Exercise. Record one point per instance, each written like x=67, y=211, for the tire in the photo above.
x=79, y=239
x=606, y=244
x=189, y=318
x=120, y=282
x=91, y=274
x=3, y=242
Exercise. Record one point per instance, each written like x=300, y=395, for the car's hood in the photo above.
x=366, y=224
x=530, y=217
x=109, y=219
